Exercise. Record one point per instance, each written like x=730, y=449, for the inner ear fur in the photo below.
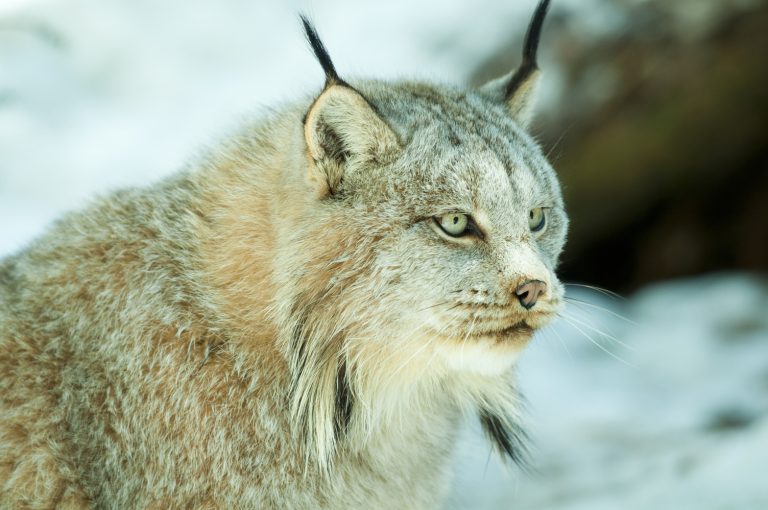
x=342, y=129
x=520, y=99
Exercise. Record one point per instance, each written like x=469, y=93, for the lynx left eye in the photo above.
x=454, y=224
x=537, y=219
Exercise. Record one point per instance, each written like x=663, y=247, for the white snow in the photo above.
x=97, y=94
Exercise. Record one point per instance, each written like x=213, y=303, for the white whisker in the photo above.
x=596, y=289
x=560, y=339
x=601, y=332
x=596, y=343
x=578, y=302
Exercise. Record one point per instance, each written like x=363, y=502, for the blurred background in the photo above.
x=654, y=113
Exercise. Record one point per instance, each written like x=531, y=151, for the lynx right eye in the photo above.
x=454, y=224
x=537, y=219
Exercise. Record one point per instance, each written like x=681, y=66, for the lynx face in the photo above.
x=471, y=223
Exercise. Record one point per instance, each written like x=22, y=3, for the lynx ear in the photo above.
x=341, y=127
x=518, y=88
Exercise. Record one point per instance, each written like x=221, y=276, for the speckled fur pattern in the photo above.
x=282, y=325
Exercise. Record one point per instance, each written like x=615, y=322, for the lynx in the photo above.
x=302, y=319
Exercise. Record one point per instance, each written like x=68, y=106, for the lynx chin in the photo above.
x=303, y=319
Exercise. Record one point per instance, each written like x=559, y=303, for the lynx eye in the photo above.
x=537, y=219
x=454, y=224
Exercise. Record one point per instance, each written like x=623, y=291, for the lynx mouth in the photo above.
x=517, y=330
x=521, y=328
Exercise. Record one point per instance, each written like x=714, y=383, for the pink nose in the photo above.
x=529, y=292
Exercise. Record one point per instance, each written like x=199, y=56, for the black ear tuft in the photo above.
x=530, y=49
x=321, y=53
x=507, y=436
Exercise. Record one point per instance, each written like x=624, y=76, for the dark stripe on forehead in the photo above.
x=449, y=110
x=492, y=121
x=426, y=107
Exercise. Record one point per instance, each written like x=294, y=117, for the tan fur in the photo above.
x=284, y=325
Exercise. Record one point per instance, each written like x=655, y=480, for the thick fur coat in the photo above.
x=298, y=320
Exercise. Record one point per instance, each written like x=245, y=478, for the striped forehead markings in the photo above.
x=471, y=121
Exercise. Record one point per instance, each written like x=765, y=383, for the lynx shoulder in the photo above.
x=300, y=321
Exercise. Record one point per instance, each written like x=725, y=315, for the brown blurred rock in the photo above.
x=664, y=149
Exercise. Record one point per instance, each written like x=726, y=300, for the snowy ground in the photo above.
x=96, y=94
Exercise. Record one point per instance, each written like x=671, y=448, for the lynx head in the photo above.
x=427, y=258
